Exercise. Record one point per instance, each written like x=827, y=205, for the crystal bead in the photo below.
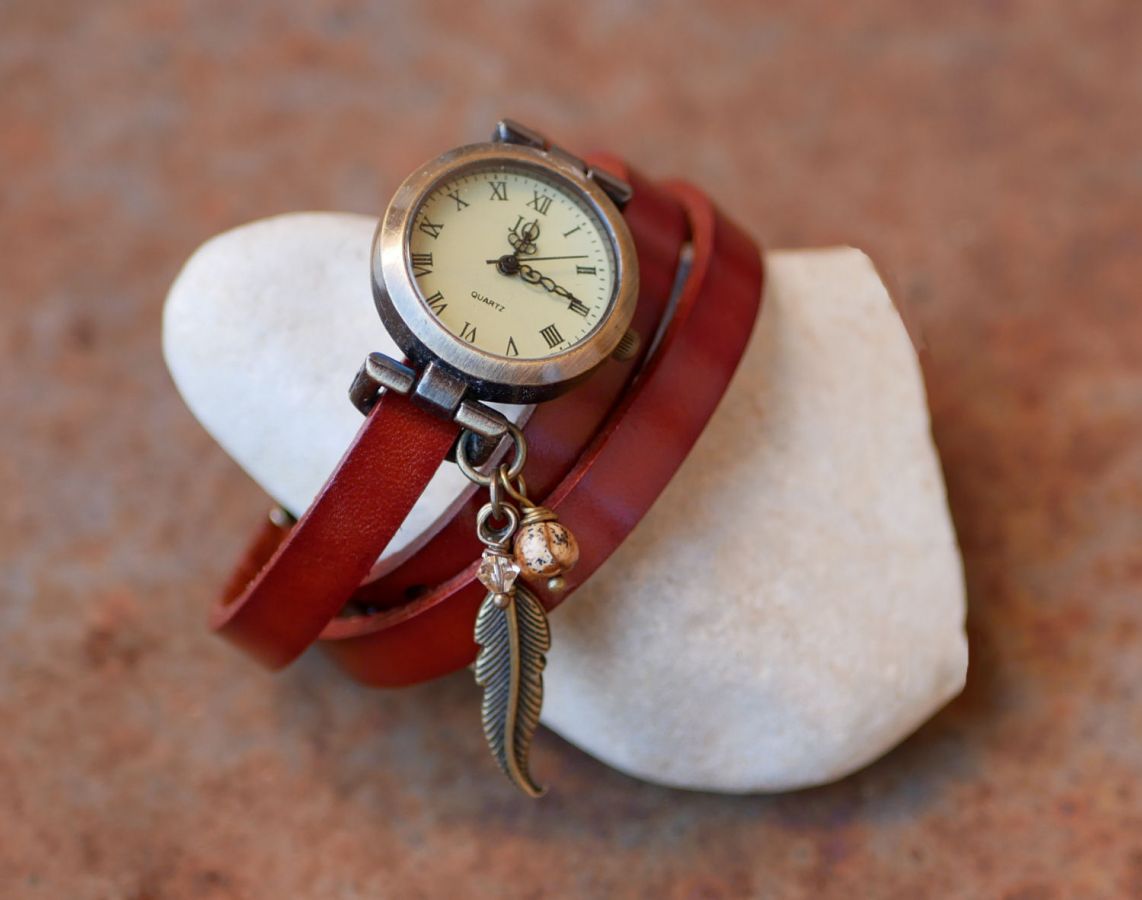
x=498, y=572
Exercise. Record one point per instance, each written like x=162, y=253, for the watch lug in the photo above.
x=439, y=389
x=483, y=430
x=482, y=420
x=615, y=188
x=379, y=373
x=509, y=131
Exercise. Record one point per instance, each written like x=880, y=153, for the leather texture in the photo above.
x=616, y=480
x=275, y=611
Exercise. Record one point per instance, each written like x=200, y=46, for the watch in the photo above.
x=505, y=272
x=561, y=431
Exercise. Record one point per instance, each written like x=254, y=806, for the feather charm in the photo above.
x=514, y=637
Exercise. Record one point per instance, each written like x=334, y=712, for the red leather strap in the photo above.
x=619, y=476
x=300, y=587
x=306, y=581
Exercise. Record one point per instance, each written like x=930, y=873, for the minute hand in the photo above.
x=542, y=258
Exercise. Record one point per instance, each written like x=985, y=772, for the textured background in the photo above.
x=989, y=155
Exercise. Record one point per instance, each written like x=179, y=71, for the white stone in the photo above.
x=790, y=609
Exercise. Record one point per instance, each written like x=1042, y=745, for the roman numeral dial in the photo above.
x=512, y=260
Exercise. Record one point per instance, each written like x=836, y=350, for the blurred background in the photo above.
x=987, y=154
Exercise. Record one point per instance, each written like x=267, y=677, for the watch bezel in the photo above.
x=424, y=339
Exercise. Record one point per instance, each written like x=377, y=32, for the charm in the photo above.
x=511, y=627
x=544, y=547
x=513, y=634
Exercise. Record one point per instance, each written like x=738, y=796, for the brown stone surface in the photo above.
x=989, y=155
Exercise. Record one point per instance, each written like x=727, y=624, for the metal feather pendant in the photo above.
x=514, y=637
x=511, y=627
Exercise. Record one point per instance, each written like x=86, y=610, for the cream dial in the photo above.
x=513, y=261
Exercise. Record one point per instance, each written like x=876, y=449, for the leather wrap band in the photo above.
x=559, y=431
x=588, y=460
x=628, y=464
x=306, y=580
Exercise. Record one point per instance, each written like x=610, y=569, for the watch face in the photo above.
x=506, y=266
x=512, y=260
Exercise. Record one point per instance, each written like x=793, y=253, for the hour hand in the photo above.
x=534, y=276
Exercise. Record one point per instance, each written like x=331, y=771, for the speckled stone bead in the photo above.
x=545, y=549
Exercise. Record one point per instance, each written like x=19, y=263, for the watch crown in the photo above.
x=628, y=346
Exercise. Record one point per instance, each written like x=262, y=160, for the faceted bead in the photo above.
x=497, y=572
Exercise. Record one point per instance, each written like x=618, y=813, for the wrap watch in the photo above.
x=504, y=272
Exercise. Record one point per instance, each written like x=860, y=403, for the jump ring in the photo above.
x=496, y=536
x=496, y=496
x=517, y=464
x=517, y=491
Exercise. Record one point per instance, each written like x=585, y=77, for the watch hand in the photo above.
x=533, y=276
x=541, y=258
